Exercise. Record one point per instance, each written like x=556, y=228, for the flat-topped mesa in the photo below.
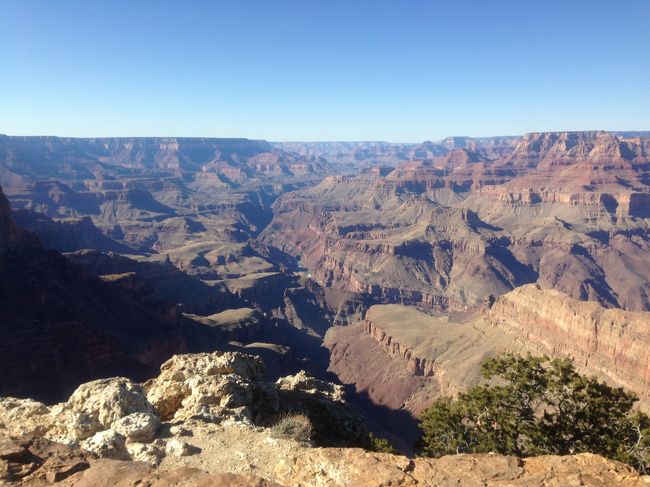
x=611, y=343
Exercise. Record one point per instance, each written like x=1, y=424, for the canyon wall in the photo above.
x=405, y=358
x=414, y=365
x=447, y=228
x=612, y=343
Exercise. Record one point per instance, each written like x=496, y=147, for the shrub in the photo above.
x=534, y=406
x=380, y=445
x=295, y=426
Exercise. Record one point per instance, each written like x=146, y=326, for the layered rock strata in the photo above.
x=567, y=210
x=415, y=365
x=609, y=342
x=417, y=356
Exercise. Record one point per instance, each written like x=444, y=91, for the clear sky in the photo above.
x=401, y=70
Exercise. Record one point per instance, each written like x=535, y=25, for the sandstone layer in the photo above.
x=610, y=343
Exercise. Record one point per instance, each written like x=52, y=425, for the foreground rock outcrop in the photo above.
x=52, y=463
x=119, y=419
x=351, y=467
x=207, y=420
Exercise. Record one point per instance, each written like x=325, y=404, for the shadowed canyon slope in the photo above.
x=60, y=326
x=69, y=318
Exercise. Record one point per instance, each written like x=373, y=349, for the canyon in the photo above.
x=567, y=210
x=392, y=270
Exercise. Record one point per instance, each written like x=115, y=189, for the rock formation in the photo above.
x=611, y=343
x=533, y=244
x=191, y=425
x=119, y=419
x=150, y=194
x=567, y=210
x=417, y=357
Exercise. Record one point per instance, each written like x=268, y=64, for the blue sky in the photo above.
x=323, y=70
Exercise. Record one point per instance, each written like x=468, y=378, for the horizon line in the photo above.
x=322, y=141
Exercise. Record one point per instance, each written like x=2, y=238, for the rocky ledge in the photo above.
x=206, y=420
x=118, y=419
